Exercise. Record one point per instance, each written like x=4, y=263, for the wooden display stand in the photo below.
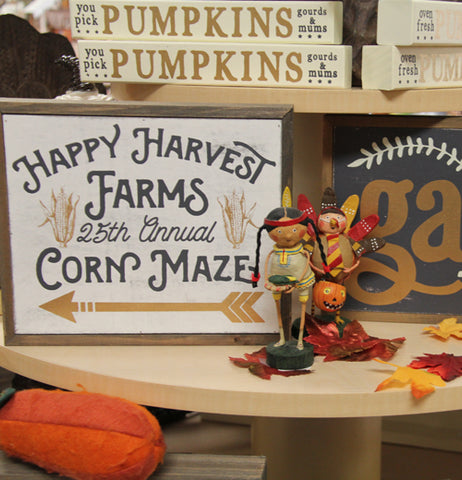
x=299, y=423
x=326, y=425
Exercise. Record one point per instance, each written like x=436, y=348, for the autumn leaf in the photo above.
x=256, y=364
x=353, y=345
x=366, y=350
x=322, y=335
x=446, y=328
x=422, y=383
x=446, y=365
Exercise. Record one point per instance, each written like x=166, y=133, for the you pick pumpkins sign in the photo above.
x=125, y=223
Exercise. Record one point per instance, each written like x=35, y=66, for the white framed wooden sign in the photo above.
x=125, y=223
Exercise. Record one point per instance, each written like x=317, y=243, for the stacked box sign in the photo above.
x=418, y=46
x=387, y=67
x=132, y=223
x=292, y=44
x=419, y=22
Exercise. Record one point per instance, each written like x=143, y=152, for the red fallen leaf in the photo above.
x=354, y=345
x=446, y=365
x=250, y=358
x=256, y=356
x=321, y=335
x=265, y=372
x=260, y=370
x=242, y=362
x=367, y=350
x=256, y=364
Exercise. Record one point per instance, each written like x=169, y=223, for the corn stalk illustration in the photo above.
x=235, y=217
x=400, y=146
x=61, y=216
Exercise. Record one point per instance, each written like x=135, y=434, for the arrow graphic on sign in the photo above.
x=237, y=306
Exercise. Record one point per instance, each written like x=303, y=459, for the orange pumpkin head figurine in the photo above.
x=329, y=296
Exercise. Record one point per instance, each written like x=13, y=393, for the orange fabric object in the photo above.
x=82, y=435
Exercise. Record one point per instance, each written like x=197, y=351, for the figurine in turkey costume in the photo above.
x=343, y=243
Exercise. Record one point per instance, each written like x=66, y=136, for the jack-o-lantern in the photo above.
x=329, y=296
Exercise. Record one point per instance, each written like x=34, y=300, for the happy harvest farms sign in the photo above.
x=130, y=225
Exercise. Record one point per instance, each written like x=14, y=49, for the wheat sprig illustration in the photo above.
x=406, y=145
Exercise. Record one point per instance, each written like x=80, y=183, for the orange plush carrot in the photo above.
x=85, y=436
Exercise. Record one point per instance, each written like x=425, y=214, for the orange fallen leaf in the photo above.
x=422, y=382
x=446, y=328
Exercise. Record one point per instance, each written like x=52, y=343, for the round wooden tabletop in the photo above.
x=202, y=378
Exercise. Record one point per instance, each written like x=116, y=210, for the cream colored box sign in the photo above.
x=265, y=65
x=419, y=22
x=387, y=67
x=317, y=22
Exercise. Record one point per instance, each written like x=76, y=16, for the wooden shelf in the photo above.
x=355, y=100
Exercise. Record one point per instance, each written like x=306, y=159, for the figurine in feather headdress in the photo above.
x=287, y=270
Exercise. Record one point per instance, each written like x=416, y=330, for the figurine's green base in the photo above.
x=289, y=357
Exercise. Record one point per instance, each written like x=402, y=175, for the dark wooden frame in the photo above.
x=284, y=113
x=364, y=124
